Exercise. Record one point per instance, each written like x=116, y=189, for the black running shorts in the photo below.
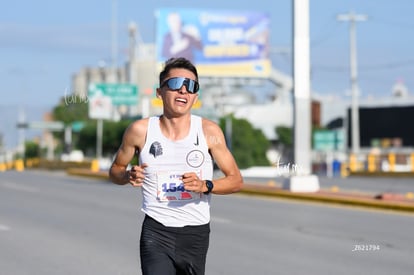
x=173, y=250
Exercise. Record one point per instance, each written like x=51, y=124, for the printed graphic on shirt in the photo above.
x=196, y=143
x=171, y=188
x=195, y=158
x=155, y=149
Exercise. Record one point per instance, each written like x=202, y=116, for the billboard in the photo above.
x=219, y=43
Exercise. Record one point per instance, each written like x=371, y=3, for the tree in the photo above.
x=285, y=147
x=285, y=135
x=32, y=150
x=72, y=110
x=249, y=145
x=111, y=137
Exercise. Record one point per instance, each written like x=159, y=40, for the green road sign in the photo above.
x=120, y=93
x=105, y=98
x=77, y=126
x=329, y=140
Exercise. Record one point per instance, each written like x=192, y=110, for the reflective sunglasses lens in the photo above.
x=176, y=83
x=192, y=86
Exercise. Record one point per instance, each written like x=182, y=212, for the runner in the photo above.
x=176, y=151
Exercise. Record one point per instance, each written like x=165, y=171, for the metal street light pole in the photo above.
x=352, y=18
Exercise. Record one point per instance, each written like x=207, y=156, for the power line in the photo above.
x=393, y=23
x=389, y=65
x=326, y=36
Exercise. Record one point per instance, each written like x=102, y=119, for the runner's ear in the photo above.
x=158, y=93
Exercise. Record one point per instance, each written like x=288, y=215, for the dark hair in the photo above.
x=174, y=63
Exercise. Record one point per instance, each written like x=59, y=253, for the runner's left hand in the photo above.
x=192, y=182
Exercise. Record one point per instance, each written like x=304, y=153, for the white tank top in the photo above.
x=164, y=198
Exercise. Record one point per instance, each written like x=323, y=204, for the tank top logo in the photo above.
x=155, y=149
x=195, y=158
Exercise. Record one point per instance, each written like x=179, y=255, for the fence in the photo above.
x=340, y=164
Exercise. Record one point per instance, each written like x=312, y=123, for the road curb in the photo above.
x=331, y=197
x=88, y=173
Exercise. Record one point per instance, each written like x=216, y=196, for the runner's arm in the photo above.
x=232, y=181
x=131, y=142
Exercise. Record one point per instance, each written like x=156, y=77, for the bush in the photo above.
x=248, y=145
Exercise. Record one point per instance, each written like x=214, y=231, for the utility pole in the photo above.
x=22, y=138
x=114, y=37
x=353, y=18
x=113, y=78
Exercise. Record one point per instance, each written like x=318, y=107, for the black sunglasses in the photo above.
x=176, y=83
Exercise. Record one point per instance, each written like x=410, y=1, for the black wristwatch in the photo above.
x=210, y=187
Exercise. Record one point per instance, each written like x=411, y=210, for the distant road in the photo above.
x=371, y=185
x=53, y=224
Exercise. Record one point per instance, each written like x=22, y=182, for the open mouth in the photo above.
x=181, y=100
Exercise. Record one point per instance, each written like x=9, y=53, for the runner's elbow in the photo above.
x=238, y=185
x=116, y=176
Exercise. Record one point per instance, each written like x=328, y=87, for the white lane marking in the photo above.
x=4, y=227
x=20, y=187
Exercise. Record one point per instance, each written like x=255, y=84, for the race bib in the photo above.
x=170, y=187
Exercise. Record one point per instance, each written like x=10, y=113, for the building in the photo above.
x=265, y=103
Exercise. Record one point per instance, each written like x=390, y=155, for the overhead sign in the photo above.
x=105, y=97
x=44, y=125
x=220, y=43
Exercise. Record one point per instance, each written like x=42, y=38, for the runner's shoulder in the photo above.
x=209, y=126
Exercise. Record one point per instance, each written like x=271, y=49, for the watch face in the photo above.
x=209, y=185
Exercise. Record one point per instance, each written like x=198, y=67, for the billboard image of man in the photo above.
x=221, y=43
x=180, y=41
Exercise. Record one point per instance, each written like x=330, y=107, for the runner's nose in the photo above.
x=183, y=90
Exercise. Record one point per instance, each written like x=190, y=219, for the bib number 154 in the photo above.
x=172, y=187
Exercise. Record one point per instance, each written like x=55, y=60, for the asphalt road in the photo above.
x=358, y=184
x=51, y=223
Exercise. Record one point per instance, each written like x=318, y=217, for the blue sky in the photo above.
x=42, y=43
